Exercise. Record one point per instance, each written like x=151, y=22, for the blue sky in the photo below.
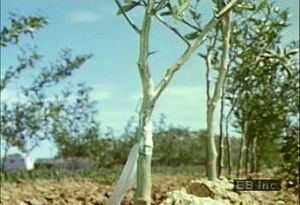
x=92, y=26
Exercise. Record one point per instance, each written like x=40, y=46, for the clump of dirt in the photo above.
x=221, y=192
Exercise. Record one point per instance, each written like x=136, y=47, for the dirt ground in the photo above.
x=89, y=192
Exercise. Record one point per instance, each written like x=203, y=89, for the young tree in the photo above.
x=212, y=58
x=157, y=9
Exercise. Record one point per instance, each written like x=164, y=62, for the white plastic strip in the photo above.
x=127, y=177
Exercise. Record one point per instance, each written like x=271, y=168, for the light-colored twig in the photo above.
x=208, y=64
x=189, y=24
x=130, y=22
x=172, y=28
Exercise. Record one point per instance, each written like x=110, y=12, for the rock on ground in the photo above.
x=220, y=192
x=181, y=197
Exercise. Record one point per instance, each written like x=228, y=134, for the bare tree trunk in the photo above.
x=228, y=143
x=209, y=115
x=210, y=144
x=221, y=139
x=254, y=157
x=247, y=160
x=240, y=162
x=258, y=159
x=242, y=150
x=143, y=191
x=211, y=147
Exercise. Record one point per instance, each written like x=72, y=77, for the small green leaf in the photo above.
x=183, y=7
x=262, y=6
x=284, y=15
x=180, y=2
x=292, y=52
x=192, y=35
x=127, y=7
x=195, y=16
x=175, y=13
x=166, y=13
x=202, y=55
x=3, y=43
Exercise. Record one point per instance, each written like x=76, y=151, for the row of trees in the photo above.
x=244, y=43
x=184, y=13
x=261, y=84
x=255, y=78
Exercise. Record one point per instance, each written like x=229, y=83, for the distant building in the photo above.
x=69, y=163
x=16, y=162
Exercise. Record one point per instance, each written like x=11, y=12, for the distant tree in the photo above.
x=75, y=129
x=24, y=123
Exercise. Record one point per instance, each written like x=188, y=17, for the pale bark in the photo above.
x=228, y=143
x=143, y=191
x=247, y=159
x=253, y=156
x=143, y=183
x=211, y=147
x=242, y=150
x=229, y=160
x=241, y=156
x=221, y=138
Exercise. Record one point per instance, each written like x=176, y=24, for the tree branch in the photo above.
x=161, y=20
x=226, y=32
x=189, y=51
x=130, y=22
x=208, y=65
x=189, y=24
x=226, y=8
x=144, y=50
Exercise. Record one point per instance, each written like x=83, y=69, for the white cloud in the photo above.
x=102, y=92
x=183, y=105
x=98, y=94
x=184, y=91
x=80, y=16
